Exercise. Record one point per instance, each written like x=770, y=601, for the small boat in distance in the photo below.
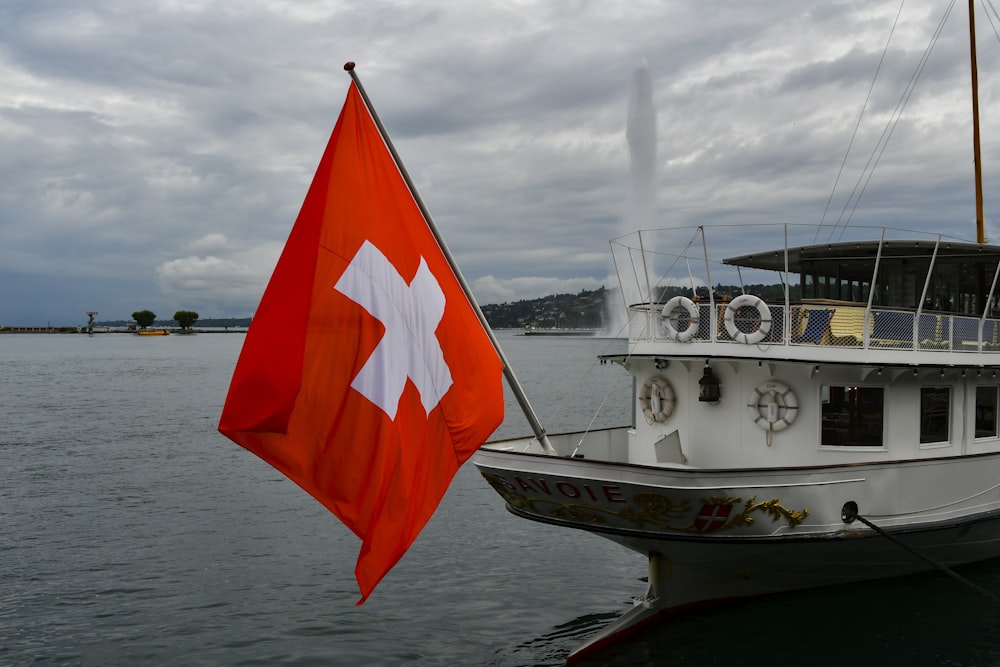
x=558, y=331
x=153, y=332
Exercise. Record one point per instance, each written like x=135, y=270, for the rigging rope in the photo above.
x=987, y=5
x=882, y=144
x=850, y=512
x=857, y=125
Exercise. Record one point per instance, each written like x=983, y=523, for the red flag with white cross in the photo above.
x=366, y=376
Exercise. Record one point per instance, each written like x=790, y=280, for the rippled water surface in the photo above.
x=131, y=532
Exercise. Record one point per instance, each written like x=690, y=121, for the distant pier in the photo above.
x=536, y=331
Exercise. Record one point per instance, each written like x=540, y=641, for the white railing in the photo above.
x=845, y=326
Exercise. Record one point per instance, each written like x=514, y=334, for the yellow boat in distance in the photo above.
x=153, y=332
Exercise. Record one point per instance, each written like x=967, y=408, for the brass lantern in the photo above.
x=710, y=391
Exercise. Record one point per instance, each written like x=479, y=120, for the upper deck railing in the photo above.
x=789, y=285
x=820, y=324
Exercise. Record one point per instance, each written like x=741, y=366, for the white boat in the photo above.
x=842, y=427
x=760, y=429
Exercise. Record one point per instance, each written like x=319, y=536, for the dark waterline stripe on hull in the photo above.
x=761, y=541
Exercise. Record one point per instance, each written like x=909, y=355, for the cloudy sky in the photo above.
x=154, y=154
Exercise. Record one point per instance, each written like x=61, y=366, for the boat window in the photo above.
x=957, y=285
x=986, y=412
x=852, y=416
x=935, y=403
x=816, y=285
x=943, y=288
x=901, y=285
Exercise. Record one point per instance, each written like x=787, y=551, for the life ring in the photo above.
x=668, y=326
x=774, y=406
x=656, y=399
x=752, y=337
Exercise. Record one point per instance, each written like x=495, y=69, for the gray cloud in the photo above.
x=155, y=154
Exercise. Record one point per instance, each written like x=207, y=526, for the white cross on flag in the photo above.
x=366, y=376
x=409, y=350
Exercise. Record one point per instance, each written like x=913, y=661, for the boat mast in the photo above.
x=980, y=233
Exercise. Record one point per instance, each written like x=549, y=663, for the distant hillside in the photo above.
x=586, y=310
x=567, y=311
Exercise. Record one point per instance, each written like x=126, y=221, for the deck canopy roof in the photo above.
x=859, y=256
x=960, y=279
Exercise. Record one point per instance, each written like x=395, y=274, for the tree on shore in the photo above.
x=186, y=318
x=144, y=318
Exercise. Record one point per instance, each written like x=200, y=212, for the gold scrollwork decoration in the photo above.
x=771, y=507
x=649, y=509
x=580, y=514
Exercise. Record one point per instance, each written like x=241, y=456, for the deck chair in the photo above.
x=817, y=328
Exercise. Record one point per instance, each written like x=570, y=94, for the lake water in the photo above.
x=131, y=532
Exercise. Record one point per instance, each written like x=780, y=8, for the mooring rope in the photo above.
x=850, y=512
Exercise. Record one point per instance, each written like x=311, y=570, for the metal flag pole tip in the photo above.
x=349, y=66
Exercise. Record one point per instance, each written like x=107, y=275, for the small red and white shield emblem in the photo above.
x=712, y=517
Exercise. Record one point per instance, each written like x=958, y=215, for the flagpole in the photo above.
x=512, y=381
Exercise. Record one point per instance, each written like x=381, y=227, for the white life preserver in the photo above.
x=656, y=399
x=668, y=326
x=764, y=328
x=773, y=406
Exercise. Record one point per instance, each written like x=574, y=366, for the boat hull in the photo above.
x=687, y=574
x=695, y=572
x=714, y=535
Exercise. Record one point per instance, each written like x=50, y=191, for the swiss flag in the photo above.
x=712, y=517
x=366, y=377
